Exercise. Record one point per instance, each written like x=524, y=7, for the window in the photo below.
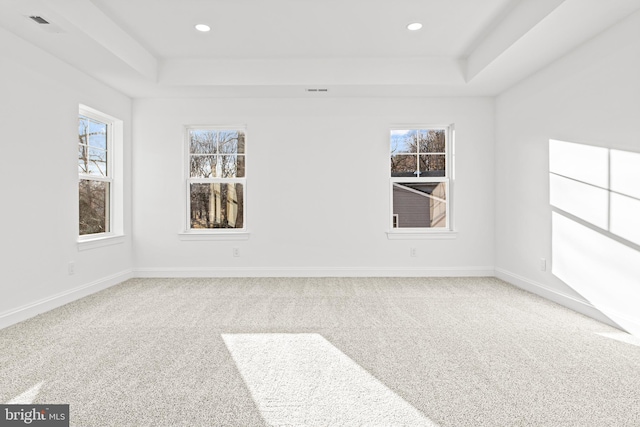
x=216, y=181
x=100, y=176
x=420, y=170
x=95, y=176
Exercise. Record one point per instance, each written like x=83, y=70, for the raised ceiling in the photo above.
x=147, y=48
x=244, y=29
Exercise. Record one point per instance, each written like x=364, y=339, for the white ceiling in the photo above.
x=148, y=48
x=303, y=28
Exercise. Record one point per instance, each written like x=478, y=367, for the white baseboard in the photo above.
x=27, y=311
x=315, y=272
x=563, y=299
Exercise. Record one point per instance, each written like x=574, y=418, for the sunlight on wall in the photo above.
x=596, y=227
x=625, y=173
x=303, y=380
x=625, y=199
x=601, y=269
x=625, y=218
x=622, y=337
x=587, y=202
x=583, y=163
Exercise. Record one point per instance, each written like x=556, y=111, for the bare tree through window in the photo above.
x=94, y=178
x=216, y=178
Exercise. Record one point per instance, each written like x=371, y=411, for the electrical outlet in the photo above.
x=236, y=252
x=543, y=264
x=71, y=268
x=412, y=252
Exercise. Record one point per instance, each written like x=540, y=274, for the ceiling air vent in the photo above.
x=45, y=25
x=39, y=19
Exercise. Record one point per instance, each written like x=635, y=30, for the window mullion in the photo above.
x=95, y=177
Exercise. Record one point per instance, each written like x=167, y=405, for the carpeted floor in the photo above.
x=322, y=351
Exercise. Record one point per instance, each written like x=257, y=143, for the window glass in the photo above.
x=94, y=176
x=419, y=178
x=217, y=181
x=216, y=205
x=94, y=207
x=403, y=141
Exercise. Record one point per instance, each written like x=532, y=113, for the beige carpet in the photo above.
x=322, y=351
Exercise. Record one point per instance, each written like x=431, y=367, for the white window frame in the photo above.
x=114, y=178
x=447, y=232
x=189, y=233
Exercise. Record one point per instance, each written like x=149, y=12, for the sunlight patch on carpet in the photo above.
x=28, y=396
x=303, y=380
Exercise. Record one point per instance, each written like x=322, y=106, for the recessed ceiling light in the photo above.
x=414, y=27
x=203, y=27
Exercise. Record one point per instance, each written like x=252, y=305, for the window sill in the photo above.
x=99, y=242
x=213, y=235
x=422, y=235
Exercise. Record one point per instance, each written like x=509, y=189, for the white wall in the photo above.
x=590, y=97
x=318, y=188
x=38, y=166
